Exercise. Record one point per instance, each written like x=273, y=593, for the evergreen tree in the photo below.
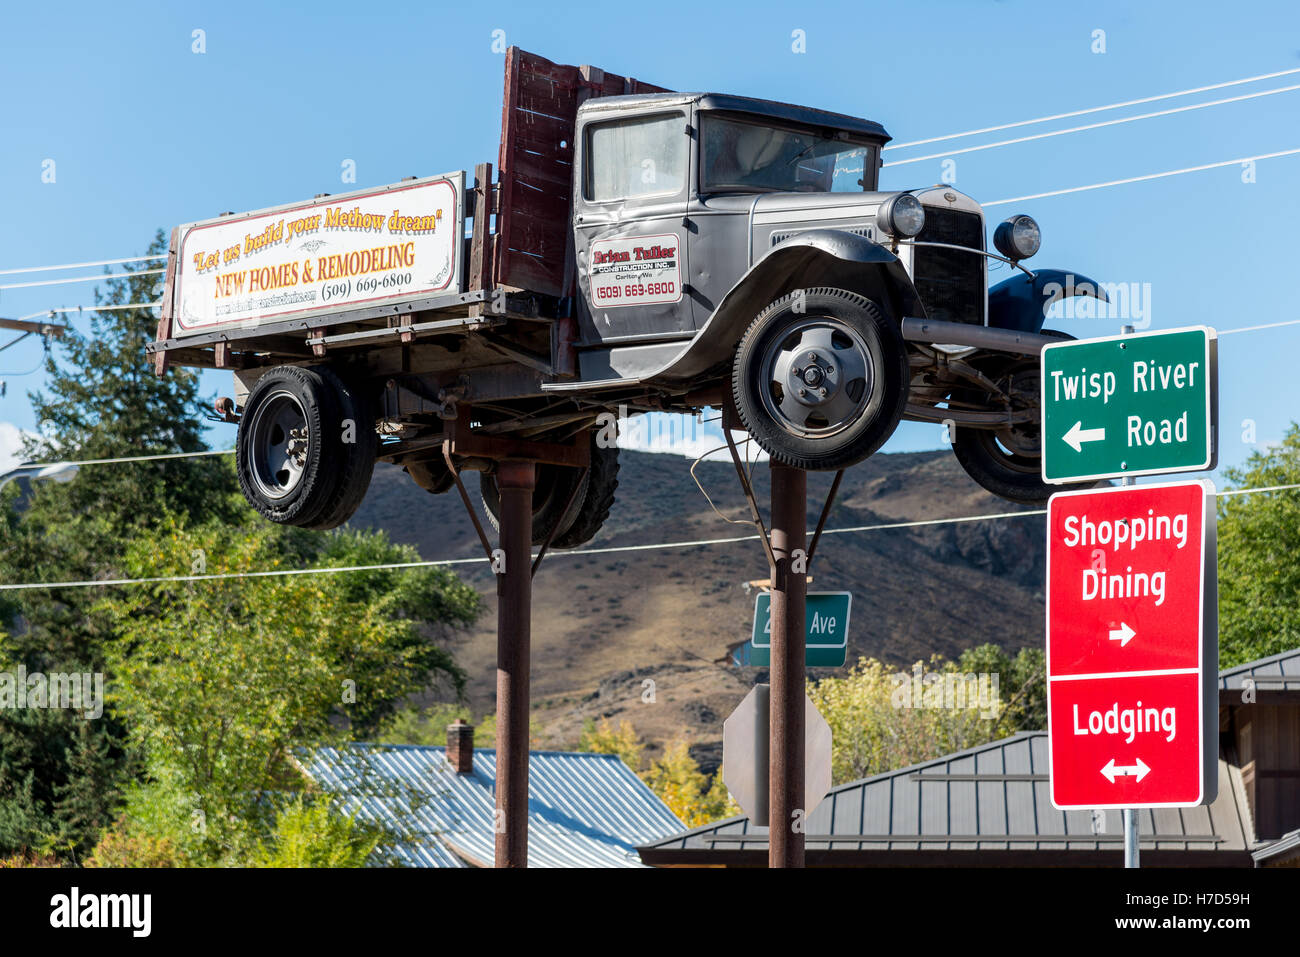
x=59, y=773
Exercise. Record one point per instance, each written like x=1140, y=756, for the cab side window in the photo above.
x=635, y=158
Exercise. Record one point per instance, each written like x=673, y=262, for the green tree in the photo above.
x=603, y=738
x=882, y=718
x=319, y=833
x=101, y=400
x=224, y=681
x=428, y=726
x=1259, y=539
x=687, y=791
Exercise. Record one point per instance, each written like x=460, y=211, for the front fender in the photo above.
x=807, y=260
x=1020, y=303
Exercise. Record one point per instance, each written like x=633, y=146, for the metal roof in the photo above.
x=1279, y=672
x=772, y=109
x=584, y=810
x=993, y=797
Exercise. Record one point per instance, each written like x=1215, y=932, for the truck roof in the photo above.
x=770, y=109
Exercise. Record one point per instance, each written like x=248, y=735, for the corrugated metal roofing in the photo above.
x=584, y=810
x=992, y=797
x=1275, y=673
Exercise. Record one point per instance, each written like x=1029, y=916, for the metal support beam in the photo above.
x=515, y=479
x=789, y=588
x=981, y=337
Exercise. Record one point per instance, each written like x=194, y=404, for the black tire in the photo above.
x=306, y=447
x=554, y=488
x=853, y=395
x=597, y=500
x=432, y=475
x=1008, y=462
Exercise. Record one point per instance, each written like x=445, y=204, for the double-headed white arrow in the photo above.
x=1137, y=770
x=1123, y=634
x=1078, y=435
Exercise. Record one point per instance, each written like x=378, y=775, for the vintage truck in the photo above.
x=639, y=250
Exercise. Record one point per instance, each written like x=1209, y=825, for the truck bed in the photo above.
x=516, y=264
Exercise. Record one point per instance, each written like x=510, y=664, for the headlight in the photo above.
x=1017, y=238
x=901, y=215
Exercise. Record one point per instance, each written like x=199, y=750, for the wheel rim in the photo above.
x=1019, y=446
x=279, y=443
x=816, y=378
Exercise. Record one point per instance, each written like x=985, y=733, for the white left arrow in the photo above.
x=1123, y=634
x=1078, y=435
x=1111, y=771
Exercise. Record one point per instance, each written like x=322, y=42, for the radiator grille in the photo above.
x=951, y=282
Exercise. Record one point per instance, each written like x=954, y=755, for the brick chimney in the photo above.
x=460, y=746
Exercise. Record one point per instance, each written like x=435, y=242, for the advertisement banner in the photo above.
x=376, y=247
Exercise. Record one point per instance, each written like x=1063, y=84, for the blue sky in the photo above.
x=145, y=133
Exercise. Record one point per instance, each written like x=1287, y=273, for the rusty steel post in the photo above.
x=515, y=479
x=786, y=751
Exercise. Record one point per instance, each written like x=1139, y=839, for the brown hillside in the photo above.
x=603, y=623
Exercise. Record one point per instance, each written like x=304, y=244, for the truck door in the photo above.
x=629, y=232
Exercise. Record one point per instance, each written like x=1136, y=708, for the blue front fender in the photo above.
x=1020, y=303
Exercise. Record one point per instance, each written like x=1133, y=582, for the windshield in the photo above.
x=749, y=157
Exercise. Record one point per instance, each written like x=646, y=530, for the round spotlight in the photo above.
x=1017, y=238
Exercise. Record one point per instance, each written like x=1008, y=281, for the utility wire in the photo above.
x=1095, y=109
x=613, y=549
x=59, y=282
x=1089, y=126
x=1139, y=179
x=81, y=309
x=100, y=262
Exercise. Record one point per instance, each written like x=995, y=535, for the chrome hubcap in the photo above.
x=817, y=379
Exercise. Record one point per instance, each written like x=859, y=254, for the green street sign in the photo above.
x=826, y=632
x=1143, y=404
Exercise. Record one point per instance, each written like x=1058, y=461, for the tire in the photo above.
x=1008, y=462
x=298, y=460
x=555, y=485
x=432, y=475
x=852, y=400
x=602, y=481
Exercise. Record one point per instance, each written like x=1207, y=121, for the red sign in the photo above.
x=1132, y=646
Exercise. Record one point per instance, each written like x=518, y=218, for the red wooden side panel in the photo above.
x=160, y=361
x=536, y=166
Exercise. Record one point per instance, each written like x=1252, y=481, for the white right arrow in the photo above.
x=1111, y=770
x=1078, y=435
x=1123, y=634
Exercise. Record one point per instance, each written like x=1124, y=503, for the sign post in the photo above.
x=789, y=585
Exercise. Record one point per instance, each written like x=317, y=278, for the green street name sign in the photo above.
x=826, y=632
x=1143, y=404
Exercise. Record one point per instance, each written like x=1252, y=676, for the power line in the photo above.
x=138, y=458
x=696, y=543
x=80, y=309
x=1090, y=126
x=1143, y=178
x=1096, y=109
x=1267, y=325
x=60, y=282
x=99, y=262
